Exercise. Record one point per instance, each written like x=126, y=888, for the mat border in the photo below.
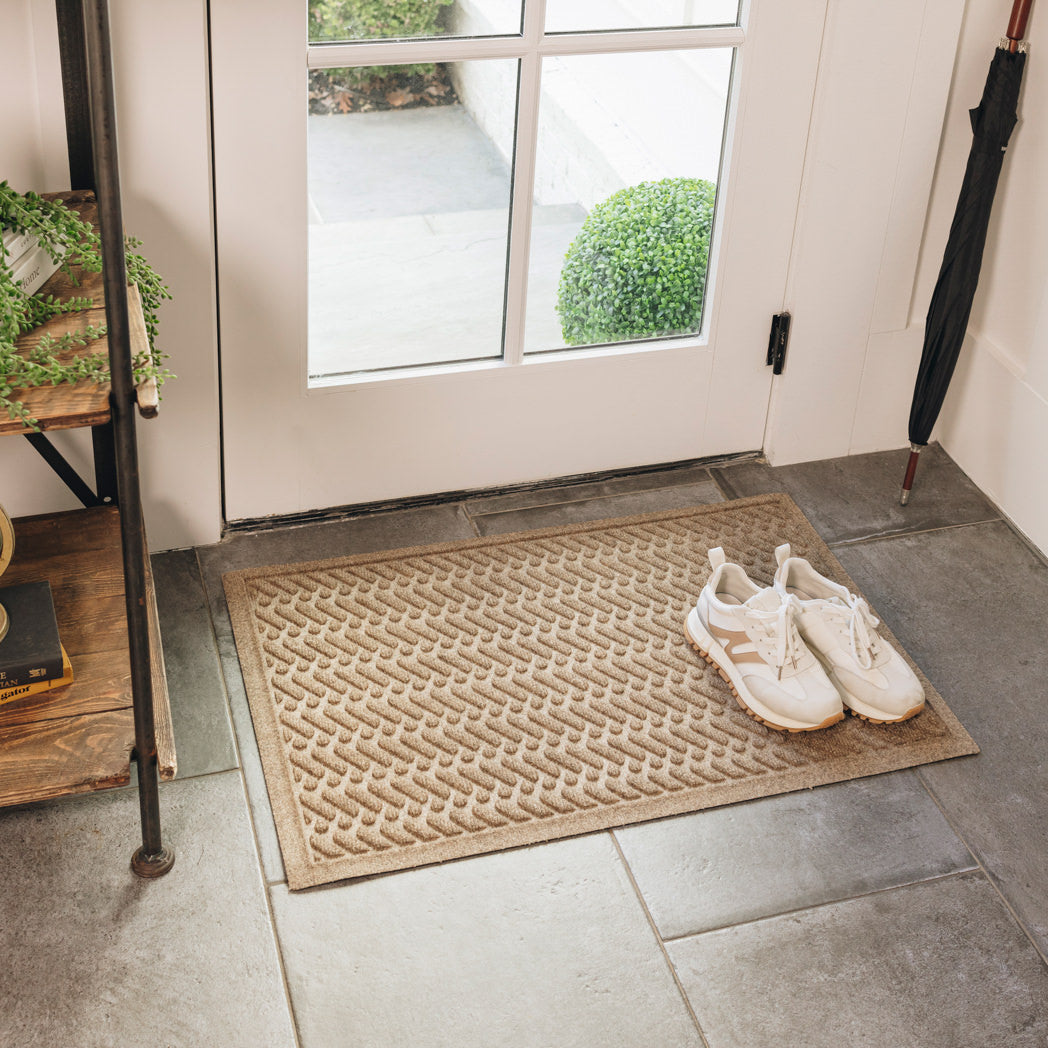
x=303, y=872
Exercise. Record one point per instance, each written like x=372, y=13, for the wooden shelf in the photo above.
x=80, y=738
x=84, y=403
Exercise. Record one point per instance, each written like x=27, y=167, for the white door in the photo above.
x=420, y=297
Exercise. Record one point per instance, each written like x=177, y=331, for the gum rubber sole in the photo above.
x=834, y=719
x=867, y=717
x=889, y=720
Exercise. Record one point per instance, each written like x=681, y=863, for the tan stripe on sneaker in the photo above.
x=731, y=641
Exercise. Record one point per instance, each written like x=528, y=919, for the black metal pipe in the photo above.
x=75, y=93
x=69, y=476
x=152, y=859
x=105, y=462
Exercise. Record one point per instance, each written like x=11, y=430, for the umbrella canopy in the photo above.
x=951, y=304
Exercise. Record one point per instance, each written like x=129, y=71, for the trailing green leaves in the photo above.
x=637, y=268
x=72, y=242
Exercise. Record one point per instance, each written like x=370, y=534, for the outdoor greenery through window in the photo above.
x=491, y=207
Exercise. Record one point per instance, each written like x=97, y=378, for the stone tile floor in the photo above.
x=905, y=909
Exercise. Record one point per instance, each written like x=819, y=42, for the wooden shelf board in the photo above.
x=80, y=737
x=84, y=403
x=62, y=757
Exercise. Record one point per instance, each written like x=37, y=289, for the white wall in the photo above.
x=25, y=159
x=995, y=419
x=871, y=233
x=163, y=117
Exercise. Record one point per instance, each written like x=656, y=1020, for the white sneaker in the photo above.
x=750, y=635
x=873, y=679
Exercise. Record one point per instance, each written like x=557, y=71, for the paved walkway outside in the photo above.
x=408, y=242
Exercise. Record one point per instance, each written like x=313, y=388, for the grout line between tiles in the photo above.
x=658, y=938
x=974, y=868
x=235, y=770
x=288, y=999
x=982, y=867
x=464, y=507
x=885, y=536
x=722, y=485
x=267, y=895
x=1025, y=539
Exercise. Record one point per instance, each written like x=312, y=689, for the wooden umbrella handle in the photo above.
x=1017, y=23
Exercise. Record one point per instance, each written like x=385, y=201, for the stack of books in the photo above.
x=29, y=263
x=32, y=658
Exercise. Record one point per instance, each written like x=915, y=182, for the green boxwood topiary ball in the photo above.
x=637, y=267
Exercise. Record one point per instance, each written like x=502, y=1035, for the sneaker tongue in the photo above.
x=766, y=600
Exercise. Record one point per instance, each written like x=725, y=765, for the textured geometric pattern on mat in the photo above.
x=419, y=705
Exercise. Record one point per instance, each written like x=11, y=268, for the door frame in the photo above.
x=400, y=418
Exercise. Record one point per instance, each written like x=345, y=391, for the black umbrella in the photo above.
x=951, y=304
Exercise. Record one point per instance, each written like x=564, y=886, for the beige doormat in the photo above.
x=424, y=704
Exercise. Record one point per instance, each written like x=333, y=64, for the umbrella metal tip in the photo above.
x=911, y=470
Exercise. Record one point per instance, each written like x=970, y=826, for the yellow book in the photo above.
x=10, y=694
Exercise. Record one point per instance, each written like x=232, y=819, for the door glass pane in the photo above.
x=347, y=20
x=629, y=153
x=409, y=218
x=575, y=16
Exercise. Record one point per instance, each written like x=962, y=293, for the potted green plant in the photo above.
x=73, y=244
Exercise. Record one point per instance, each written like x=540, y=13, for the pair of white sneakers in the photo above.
x=798, y=652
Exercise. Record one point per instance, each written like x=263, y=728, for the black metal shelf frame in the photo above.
x=90, y=111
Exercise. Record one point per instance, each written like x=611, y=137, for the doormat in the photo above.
x=425, y=704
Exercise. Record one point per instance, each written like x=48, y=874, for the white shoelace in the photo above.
x=787, y=640
x=861, y=623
